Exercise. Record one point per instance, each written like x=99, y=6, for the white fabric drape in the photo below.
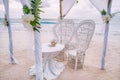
x=38, y=56
x=1, y=1
x=100, y=4
x=23, y=2
x=44, y=4
x=6, y=6
x=66, y=6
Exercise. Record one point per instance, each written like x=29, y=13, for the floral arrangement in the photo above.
x=77, y=1
x=5, y=21
x=105, y=17
x=31, y=17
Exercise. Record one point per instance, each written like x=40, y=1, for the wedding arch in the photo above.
x=105, y=11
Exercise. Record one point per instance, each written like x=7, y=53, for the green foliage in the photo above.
x=77, y=1
x=103, y=12
x=26, y=9
x=35, y=10
x=33, y=23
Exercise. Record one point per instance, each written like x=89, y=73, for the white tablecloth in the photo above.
x=51, y=68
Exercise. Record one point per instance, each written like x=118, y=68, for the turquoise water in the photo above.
x=48, y=24
x=44, y=22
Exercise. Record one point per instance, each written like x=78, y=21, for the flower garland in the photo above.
x=5, y=21
x=31, y=17
x=77, y=1
x=105, y=17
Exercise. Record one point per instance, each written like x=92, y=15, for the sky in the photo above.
x=77, y=11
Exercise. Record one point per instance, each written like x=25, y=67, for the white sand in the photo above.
x=23, y=43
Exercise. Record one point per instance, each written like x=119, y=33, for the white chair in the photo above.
x=64, y=32
x=83, y=35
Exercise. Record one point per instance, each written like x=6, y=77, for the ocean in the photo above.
x=48, y=24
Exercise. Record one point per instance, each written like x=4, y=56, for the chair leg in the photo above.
x=83, y=60
x=66, y=55
x=76, y=61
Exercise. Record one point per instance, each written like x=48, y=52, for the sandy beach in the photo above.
x=23, y=50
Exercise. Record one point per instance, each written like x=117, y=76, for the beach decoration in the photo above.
x=31, y=16
x=38, y=54
x=26, y=19
x=77, y=1
x=106, y=18
x=53, y=43
x=31, y=19
x=64, y=9
x=7, y=23
x=104, y=7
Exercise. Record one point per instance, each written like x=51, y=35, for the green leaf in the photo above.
x=26, y=9
x=32, y=1
x=40, y=10
x=77, y=1
x=32, y=5
x=35, y=10
x=38, y=27
x=38, y=23
x=103, y=12
x=33, y=23
x=35, y=29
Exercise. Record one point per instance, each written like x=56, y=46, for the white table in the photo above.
x=51, y=68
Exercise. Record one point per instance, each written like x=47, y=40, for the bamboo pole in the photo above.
x=61, y=9
x=61, y=20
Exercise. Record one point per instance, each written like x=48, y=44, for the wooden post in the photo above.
x=61, y=9
x=61, y=20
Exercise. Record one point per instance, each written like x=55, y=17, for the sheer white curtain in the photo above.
x=100, y=4
x=23, y=2
x=44, y=3
x=66, y=6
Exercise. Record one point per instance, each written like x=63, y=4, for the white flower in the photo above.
x=106, y=18
x=5, y=23
x=26, y=19
x=59, y=19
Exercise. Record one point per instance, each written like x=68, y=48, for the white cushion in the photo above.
x=72, y=52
